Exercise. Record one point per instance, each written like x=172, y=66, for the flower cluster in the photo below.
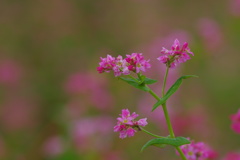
x=176, y=55
x=126, y=124
x=134, y=62
x=236, y=122
x=198, y=151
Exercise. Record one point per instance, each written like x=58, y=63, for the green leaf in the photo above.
x=160, y=142
x=149, y=81
x=141, y=79
x=171, y=90
x=136, y=84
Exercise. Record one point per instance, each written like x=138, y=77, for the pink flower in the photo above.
x=134, y=62
x=106, y=64
x=198, y=151
x=53, y=146
x=120, y=67
x=235, y=126
x=177, y=54
x=211, y=33
x=10, y=72
x=235, y=7
x=137, y=63
x=126, y=124
x=232, y=156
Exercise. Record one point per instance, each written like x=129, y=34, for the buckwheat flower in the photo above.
x=126, y=124
x=120, y=67
x=137, y=63
x=177, y=54
x=197, y=151
x=235, y=126
x=106, y=64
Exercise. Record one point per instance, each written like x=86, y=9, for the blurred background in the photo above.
x=55, y=106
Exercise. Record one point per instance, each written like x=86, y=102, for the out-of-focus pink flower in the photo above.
x=211, y=33
x=18, y=113
x=113, y=155
x=232, y=156
x=235, y=7
x=10, y=72
x=53, y=146
x=80, y=83
x=236, y=122
x=198, y=151
x=177, y=54
x=92, y=88
x=134, y=62
x=126, y=124
x=92, y=133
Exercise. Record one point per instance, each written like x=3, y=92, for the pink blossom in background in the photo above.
x=92, y=133
x=198, y=151
x=53, y=146
x=177, y=54
x=185, y=122
x=91, y=88
x=126, y=124
x=18, y=113
x=75, y=108
x=235, y=7
x=235, y=126
x=81, y=83
x=232, y=156
x=10, y=72
x=113, y=155
x=211, y=33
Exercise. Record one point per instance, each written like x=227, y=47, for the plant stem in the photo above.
x=133, y=78
x=170, y=129
x=164, y=81
x=154, y=135
x=165, y=107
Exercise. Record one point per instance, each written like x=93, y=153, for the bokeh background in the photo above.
x=55, y=106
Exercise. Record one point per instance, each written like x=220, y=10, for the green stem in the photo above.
x=133, y=78
x=165, y=107
x=154, y=135
x=165, y=81
x=170, y=129
x=181, y=153
x=154, y=95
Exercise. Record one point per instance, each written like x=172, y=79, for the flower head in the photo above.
x=235, y=126
x=134, y=62
x=177, y=54
x=198, y=151
x=126, y=124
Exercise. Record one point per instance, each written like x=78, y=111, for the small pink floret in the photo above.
x=142, y=122
x=198, y=151
x=126, y=124
x=134, y=62
x=177, y=54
